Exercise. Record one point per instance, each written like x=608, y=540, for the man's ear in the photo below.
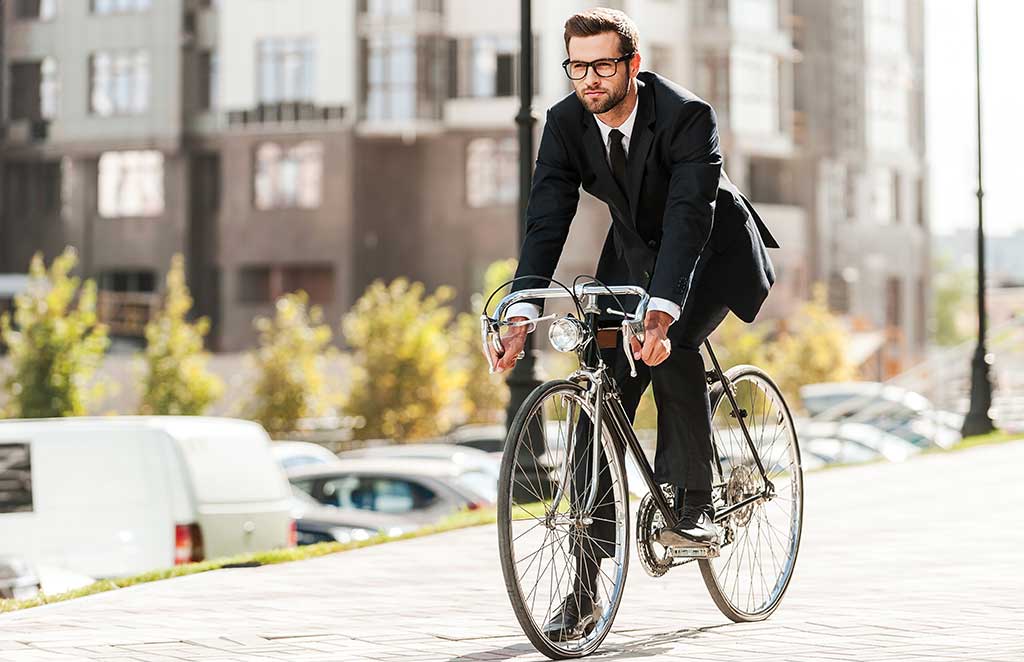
x=634, y=64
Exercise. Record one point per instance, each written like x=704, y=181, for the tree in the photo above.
x=403, y=385
x=177, y=381
x=486, y=394
x=289, y=372
x=812, y=348
x=55, y=341
x=953, y=299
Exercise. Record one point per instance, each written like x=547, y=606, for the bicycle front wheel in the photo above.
x=555, y=522
x=759, y=541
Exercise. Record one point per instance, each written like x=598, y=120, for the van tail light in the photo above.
x=188, y=544
x=475, y=505
x=293, y=534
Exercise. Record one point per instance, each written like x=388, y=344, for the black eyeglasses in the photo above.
x=605, y=68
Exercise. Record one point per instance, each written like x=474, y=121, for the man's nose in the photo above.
x=592, y=77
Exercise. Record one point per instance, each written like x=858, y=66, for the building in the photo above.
x=862, y=173
x=318, y=145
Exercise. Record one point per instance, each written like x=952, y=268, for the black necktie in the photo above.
x=617, y=156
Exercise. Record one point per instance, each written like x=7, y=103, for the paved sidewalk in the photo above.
x=913, y=561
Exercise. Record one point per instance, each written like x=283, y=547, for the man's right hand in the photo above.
x=512, y=343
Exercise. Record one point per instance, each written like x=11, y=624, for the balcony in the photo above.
x=27, y=132
x=276, y=117
x=127, y=313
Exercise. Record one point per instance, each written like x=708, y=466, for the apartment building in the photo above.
x=320, y=144
x=862, y=171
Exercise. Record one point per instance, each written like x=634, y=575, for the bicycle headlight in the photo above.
x=566, y=334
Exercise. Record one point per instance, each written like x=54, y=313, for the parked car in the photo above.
x=837, y=451
x=487, y=438
x=109, y=497
x=423, y=491
x=18, y=579
x=891, y=447
x=316, y=522
x=464, y=456
x=293, y=454
x=896, y=410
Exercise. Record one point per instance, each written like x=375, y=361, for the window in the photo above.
x=34, y=89
x=127, y=281
x=713, y=80
x=131, y=184
x=15, y=478
x=120, y=6
x=120, y=83
x=209, y=79
x=391, y=76
x=484, y=67
x=754, y=15
x=254, y=285
x=285, y=70
x=386, y=495
x=288, y=177
x=884, y=195
x=754, y=92
x=893, y=302
x=40, y=10
x=492, y=171
x=315, y=280
x=32, y=188
x=262, y=284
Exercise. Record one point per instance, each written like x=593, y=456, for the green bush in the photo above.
x=290, y=381
x=177, y=381
x=403, y=384
x=485, y=396
x=55, y=342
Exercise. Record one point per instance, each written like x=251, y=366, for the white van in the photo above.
x=111, y=497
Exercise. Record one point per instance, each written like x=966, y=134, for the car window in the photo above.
x=488, y=445
x=300, y=461
x=382, y=494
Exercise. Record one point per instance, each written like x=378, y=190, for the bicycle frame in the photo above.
x=606, y=394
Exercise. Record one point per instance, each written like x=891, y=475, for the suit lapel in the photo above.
x=639, y=146
x=598, y=158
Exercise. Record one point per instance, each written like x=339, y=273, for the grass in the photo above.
x=457, y=521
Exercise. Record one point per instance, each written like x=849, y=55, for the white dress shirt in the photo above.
x=532, y=311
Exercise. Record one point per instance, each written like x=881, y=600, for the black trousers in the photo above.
x=684, y=455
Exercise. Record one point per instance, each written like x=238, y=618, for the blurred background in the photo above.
x=288, y=210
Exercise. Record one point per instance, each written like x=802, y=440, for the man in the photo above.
x=649, y=149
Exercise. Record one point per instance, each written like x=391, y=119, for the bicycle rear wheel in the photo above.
x=544, y=529
x=760, y=541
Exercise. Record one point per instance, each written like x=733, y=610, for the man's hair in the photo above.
x=600, y=20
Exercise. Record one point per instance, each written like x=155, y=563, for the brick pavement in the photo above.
x=912, y=561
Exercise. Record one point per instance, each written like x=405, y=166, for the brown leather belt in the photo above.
x=608, y=338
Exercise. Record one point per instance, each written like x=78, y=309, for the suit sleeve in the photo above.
x=554, y=196
x=690, y=206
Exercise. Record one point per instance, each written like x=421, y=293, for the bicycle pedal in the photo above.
x=695, y=552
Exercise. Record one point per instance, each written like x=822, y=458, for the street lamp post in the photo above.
x=978, y=420
x=523, y=378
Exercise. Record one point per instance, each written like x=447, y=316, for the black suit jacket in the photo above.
x=680, y=202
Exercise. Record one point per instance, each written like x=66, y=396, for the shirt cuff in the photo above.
x=524, y=309
x=665, y=306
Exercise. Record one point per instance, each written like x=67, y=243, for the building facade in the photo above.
x=321, y=144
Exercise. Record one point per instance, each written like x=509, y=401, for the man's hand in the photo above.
x=512, y=343
x=656, y=346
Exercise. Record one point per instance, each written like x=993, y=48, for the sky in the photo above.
x=951, y=129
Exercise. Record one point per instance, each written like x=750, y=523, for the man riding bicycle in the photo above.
x=680, y=229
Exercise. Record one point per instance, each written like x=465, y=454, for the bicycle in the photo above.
x=563, y=476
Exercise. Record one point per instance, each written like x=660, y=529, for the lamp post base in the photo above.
x=978, y=420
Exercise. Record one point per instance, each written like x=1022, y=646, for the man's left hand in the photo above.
x=656, y=346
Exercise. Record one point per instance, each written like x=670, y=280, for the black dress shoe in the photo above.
x=696, y=526
x=575, y=618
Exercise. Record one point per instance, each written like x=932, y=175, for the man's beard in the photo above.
x=599, y=107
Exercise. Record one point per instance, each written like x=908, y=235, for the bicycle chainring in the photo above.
x=653, y=557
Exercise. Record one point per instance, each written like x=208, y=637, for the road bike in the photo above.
x=563, y=496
